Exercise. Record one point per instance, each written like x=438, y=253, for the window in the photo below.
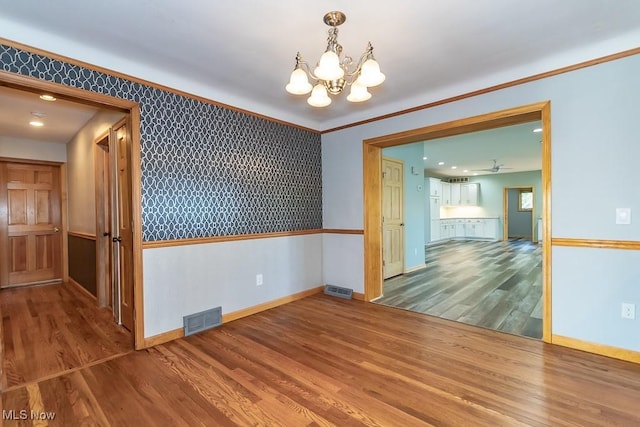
x=525, y=200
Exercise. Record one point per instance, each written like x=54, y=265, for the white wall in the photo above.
x=181, y=280
x=17, y=148
x=81, y=199
x=595, y=153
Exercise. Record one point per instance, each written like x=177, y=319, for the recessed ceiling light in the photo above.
x=424, y=158
x=466, y=170
x=475, y=173
x=36, y=123
x=440, y=163
x=454, y=167
x=537, y=130
x=46, y=97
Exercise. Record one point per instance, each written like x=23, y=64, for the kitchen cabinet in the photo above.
x=464, y=228
x=445, y=199
x=469, y=194
x=435, y=230
x=490, y=228
x=456, y=194
x=474, y=228
x=435, y=187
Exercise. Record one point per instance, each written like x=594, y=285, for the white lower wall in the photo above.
x=589, y=287
x=181, y=280
x=343, y=260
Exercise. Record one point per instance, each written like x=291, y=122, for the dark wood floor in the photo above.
x=327, y=361
x=50, y=329
x=496, y=285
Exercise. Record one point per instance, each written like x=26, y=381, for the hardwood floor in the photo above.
x=496, y=285
x=327, y=361
x=53, y=328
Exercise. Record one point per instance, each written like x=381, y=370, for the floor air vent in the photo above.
x=199, y=322
x=339, y=292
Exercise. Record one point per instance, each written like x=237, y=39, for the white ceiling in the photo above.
x=241, y=52
x=62, y=119
x=517, y=147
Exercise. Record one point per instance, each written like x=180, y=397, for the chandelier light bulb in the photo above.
x=359, y=93
x=370, y=74
x=319, y=96
x=329, y=67
x=298, y=83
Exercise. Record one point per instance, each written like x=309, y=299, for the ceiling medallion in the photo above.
x=334, y=72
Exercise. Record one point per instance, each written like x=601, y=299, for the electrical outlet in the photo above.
x=258, y=279
x=628, y=311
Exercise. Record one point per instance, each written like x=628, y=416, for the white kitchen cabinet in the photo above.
x=459, y=229
x=447, y=229
x=434, y=208
x=445, y=199
x=455, y=194
x=474, y=228
x=490, y=228
x=435, y=230
x=435, y=187
x=469, y=194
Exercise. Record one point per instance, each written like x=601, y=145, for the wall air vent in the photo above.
x=339, y=292
x=204, y=320
x=459, y=179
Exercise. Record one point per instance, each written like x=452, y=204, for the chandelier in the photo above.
x=334, y=72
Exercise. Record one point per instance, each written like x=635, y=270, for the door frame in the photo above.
x=372, y=188
x=102, y=179
x=505, y=211
x=30, y=84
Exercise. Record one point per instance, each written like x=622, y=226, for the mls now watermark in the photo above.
x=23, y=414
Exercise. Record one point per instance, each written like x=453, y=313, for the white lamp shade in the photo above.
x=298, y=83
x=319, y=97
x=329, y=67
x=370, y=74
x=359, y=93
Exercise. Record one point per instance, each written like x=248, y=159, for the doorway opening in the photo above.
x=126, y=191
x=372, y=150
x=519, y=214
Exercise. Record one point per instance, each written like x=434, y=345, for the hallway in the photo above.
x=50, y=330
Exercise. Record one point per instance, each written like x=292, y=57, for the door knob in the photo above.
x=56, y=229
x=116, y=239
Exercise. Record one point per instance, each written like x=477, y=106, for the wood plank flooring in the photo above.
x=325, y=361
x=53, y=328
x=496, y=285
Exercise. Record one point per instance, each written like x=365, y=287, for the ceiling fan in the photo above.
x=495, y=168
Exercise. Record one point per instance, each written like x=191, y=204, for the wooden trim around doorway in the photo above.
x=505, y=211
x=30, y=84
x=372, y=164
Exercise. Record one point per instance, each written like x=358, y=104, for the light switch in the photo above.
x=623, y=216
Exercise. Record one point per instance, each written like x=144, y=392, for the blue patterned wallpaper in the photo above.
x=206, y=170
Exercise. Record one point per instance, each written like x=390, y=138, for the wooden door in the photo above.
x=123, y=242
x=392, y=217
x=30, y=219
